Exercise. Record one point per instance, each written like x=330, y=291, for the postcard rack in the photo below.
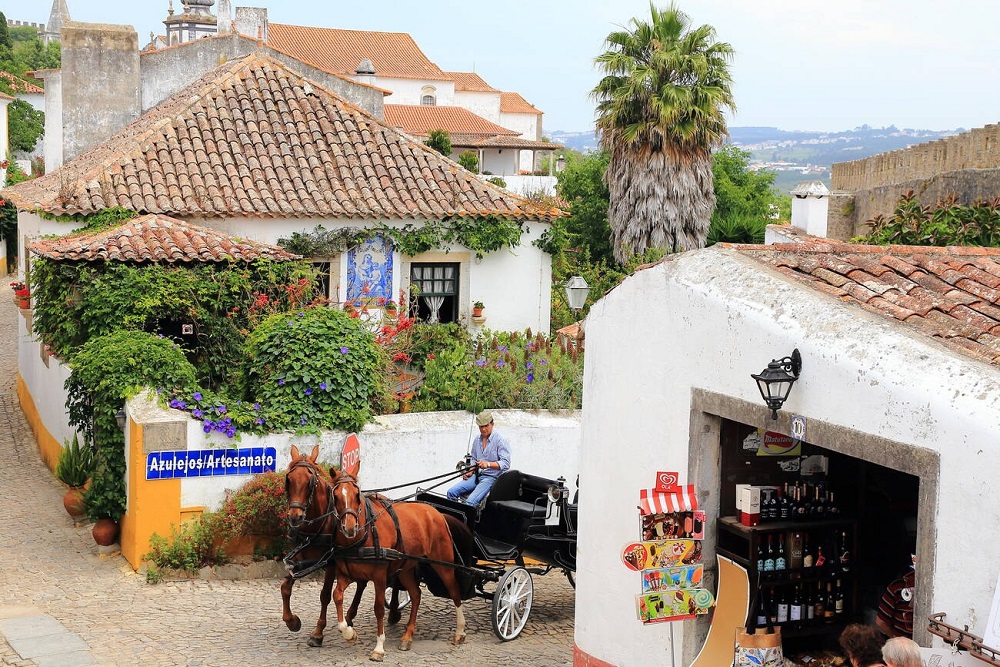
x=963, y=639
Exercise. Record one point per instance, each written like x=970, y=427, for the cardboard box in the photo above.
x=749, y=504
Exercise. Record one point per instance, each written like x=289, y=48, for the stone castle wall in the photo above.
x=966, y=165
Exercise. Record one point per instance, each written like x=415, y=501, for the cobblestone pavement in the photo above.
x=51, y=568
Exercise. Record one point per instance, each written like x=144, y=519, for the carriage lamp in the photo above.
x=576, y=292
x=120, y=418
x=775, y=382
x=557, y=490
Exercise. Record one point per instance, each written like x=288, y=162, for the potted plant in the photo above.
x=21, y=294
x=477, y=309
x=103, y=506
x=390, y=309
x=75, y=466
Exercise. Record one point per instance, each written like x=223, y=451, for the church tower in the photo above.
x=58, y=17
x=195, y=21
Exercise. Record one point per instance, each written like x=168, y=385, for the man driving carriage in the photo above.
x=490, y=459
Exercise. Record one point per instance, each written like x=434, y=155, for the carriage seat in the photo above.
x=519, y=494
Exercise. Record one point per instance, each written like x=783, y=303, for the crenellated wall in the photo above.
x=966, y=165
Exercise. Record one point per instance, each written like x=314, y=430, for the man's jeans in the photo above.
x=478, y=491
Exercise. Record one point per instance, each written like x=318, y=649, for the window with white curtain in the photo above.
x=437, y=299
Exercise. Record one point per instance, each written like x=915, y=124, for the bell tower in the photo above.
x=196, y=20
x=58, y=17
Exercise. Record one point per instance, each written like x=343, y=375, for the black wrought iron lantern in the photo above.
x=775, y=382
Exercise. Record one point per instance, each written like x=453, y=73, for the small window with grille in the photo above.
x=437, y=286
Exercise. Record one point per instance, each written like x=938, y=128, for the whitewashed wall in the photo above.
x=514, y=284
x=398, y=449
x=530, y=127
x=499, y=162
x=407, y=91
x=45, y=382
x=53, y=137
x=485, y=105
x=708, y=319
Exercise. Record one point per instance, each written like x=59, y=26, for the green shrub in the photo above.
x=259, y=507
x=469, y=160
x=315, y=369
x=190, y=548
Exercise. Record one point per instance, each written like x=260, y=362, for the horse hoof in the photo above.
x=295, y=624
x=405, y=645
x=394, y=616
x=458, y=639
x=315, y=642
x=377, y=656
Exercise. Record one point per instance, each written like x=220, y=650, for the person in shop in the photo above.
x=901, y=652
x=863, y=645
x=490, y=458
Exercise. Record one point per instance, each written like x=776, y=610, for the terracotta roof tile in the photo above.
x=22, y=86
x=394, y=54
x=951, y=294
x=514, y=103
x=254, y=138
x=470, y=82
x=156, y=238
x=420, y=119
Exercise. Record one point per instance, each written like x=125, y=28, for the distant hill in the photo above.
x=797, y=156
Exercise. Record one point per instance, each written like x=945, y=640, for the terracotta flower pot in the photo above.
x=477, y=312
x=73, y=502
x=105, y=532
x=24, y=303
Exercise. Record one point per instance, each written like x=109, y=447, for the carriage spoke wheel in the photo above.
x=512, y=603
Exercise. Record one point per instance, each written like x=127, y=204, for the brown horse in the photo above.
x=378, y=539
x=309, y=517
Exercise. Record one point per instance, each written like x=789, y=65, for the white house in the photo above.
x=224, y=153
x=898, y=391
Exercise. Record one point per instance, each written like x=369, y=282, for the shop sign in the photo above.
x=210, y=462
x=798, y=429
x=779, y=444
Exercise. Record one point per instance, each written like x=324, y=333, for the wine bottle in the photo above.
x=810, y=606
x=829, y=608
x=795, y=611
x=784, y=505
x=831, y=506
x=819, y=606
x=807, y=554
x=780, y=562
x=769, y=560
x=838, y=600
x=772, y=608
x=782, y=608
x=819, y=505
x=820, y=558
x=762, y=608
x=845, y=554
x=760, y=553
x=795, y=557
x=805, y=507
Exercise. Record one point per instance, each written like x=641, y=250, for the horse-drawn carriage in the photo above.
x=527, y=525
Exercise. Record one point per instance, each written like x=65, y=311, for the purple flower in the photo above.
x=281, y=381
x=502, y=348
x=221, y=409
x=206, y=428
x=289, y=323
x=480, y=362
x=309, y=391
x=530, y=378
x=302, y=314
x=344, y=350
x=196, y=396
x=174, y=403
x=543, y=362
x=209, y=424
x=231, y=431
x=259, y=420
x=302, y=421
x=196, y=413
x=528, y=365
x=256, y=406
x=322, y=386
x=160, y=390
x=499, y=363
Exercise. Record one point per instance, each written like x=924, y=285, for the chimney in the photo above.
x=100, y=83
x=252, y=21
x=810, y=205
x=365, y=73
x=225, y=18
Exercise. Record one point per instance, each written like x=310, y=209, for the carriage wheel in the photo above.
x=512, y=603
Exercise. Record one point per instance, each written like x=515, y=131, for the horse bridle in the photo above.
x=313, y=484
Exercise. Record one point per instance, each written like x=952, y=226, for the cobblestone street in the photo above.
x=52, y=575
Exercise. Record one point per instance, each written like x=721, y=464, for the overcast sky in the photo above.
x=799, y=65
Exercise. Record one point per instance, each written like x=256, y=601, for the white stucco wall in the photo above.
x=514, y=284
x=404, y=448
x=53, y=119
x=45, y=381
x=408, y=91
x=530, y=127
x=499, y=162
x=486, y=105
x=708, y=319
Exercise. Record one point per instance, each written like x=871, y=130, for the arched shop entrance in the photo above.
x=884, y=496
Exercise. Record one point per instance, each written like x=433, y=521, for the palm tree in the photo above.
x=660, y=112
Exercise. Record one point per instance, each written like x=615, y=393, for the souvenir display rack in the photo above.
x=963, y=639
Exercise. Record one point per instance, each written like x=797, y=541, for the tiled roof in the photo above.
x=253, y=138
x=420, y=119
x=514, y=103
x=156, y=238
x=394, y=54
x=470, y=82
x=507, y=142
x=951, y=294
x=23, y=86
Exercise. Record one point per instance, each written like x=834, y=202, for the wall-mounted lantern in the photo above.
x=775, y=382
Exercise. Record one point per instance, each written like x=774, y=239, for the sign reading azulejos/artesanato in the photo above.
x=210, y=462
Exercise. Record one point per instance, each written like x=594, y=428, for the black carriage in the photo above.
x=526, y=526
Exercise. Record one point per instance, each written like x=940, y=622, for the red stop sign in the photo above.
x=350, y=458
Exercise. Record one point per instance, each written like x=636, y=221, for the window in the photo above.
x=438, y=292
x=428, y=96
x=325, y=281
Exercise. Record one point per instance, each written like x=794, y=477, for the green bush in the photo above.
x=190, y=548
x=316, y=369
x=259, y=507
x=469, y=160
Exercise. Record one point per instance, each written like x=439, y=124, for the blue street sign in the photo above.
x=210, y=462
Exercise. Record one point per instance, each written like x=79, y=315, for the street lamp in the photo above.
x=775, y=382
x=120, y=418
x=560, y=163
x=576, y=292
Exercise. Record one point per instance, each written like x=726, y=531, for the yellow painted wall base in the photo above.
x=48, y=446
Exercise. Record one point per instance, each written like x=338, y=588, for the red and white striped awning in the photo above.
x=683, y=499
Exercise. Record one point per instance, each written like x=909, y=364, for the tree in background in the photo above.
x=26, y=125
x=745, y=201
x=439, y=141
x=661, y=106
x=469, y=160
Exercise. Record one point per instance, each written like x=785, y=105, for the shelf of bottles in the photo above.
x=800, y=555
